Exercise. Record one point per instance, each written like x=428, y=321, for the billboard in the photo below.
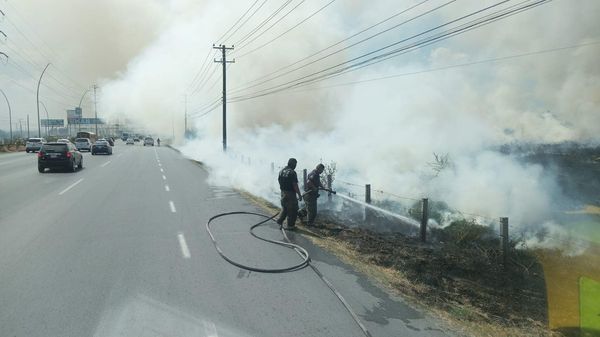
x=90, y=121
x=73, y=116
x=52, y=122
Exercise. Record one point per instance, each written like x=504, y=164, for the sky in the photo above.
x=531, y=77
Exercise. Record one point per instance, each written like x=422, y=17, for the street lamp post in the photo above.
x=47, y=118
x=38, y=100
x=9, y=114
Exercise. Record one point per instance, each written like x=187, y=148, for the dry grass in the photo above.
x=461, y=317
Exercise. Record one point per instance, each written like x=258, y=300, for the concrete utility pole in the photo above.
x=38, y=102
x=223, y=61
x=9, y=114
x=96, y=109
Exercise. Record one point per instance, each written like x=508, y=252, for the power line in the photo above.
x=337, y=43
x=289, y=30
x=197, y=76
x=273, y=25
x=238, y=20
x=379, y=58
x=245, y=21
x=347, y=47
x=263, y=23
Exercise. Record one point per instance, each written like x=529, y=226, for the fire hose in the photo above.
x=306, y=261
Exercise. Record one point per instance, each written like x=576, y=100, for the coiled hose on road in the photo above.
x=300, y=250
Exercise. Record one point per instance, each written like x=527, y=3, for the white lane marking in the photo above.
x=164, y=177
x=167, y=188
x=172, y=205
x=161, y=170
x=108, y=162
x=185, y=251
x=119, y=155
x=70, y=187
x=159, y=165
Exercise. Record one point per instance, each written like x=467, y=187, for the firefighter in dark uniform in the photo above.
x=313, y=183
x=288, y=183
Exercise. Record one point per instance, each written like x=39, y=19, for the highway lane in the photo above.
x=120, y=249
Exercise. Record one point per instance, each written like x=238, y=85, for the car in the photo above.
x=148, y=141
x=34, y=144
x=111, y=141
x=129, y=141
x=136, y=139
x=63, y=140
x=59, y=155
x=83, y=144
x=101, y=146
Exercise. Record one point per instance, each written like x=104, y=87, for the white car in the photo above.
x=83, y=144
x=34, y=144
x=129, y=141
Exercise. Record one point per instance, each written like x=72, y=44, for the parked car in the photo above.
x=148, y=141
x=34, y=144
x=59, y=155
x=101, y=146
x=129, y=141
x=83, y=144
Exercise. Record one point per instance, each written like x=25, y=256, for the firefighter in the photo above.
x=288, y=184
x=313, y=184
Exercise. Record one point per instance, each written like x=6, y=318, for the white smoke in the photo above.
x=381, y=132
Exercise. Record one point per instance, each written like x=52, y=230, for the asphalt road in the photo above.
x=119, y=248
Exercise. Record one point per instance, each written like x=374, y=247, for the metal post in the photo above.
x=367, y=200
x=424, y=218
x=305, y=178
x=9, y=114
x=329, y=183
x=38, y=101
x=504, y=240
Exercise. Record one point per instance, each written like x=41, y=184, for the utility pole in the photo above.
x=20, y=129
x=223, y=61
x=185, y=119
x=28, y=126
x=95, y=109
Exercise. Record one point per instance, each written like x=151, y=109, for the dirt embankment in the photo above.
x=458, y=276
x=12, y=148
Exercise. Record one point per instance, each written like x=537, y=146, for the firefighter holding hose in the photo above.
x=313, y=184
x=288, y=184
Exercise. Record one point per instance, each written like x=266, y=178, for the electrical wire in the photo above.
x=289, y=30
x=245, y=21
x=263, y=23
x=335, y=44
x=238, y=20
x=269, y=28
x=305, y=80
x=345, y=48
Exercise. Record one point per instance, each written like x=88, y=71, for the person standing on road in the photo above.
x=288, y=184
x=313, y=183
x=158, y=141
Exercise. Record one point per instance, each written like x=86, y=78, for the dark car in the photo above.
x=59, y=155
x=111, y=141
x=101, y=146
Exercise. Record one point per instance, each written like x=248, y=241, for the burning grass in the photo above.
x=460, y=277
